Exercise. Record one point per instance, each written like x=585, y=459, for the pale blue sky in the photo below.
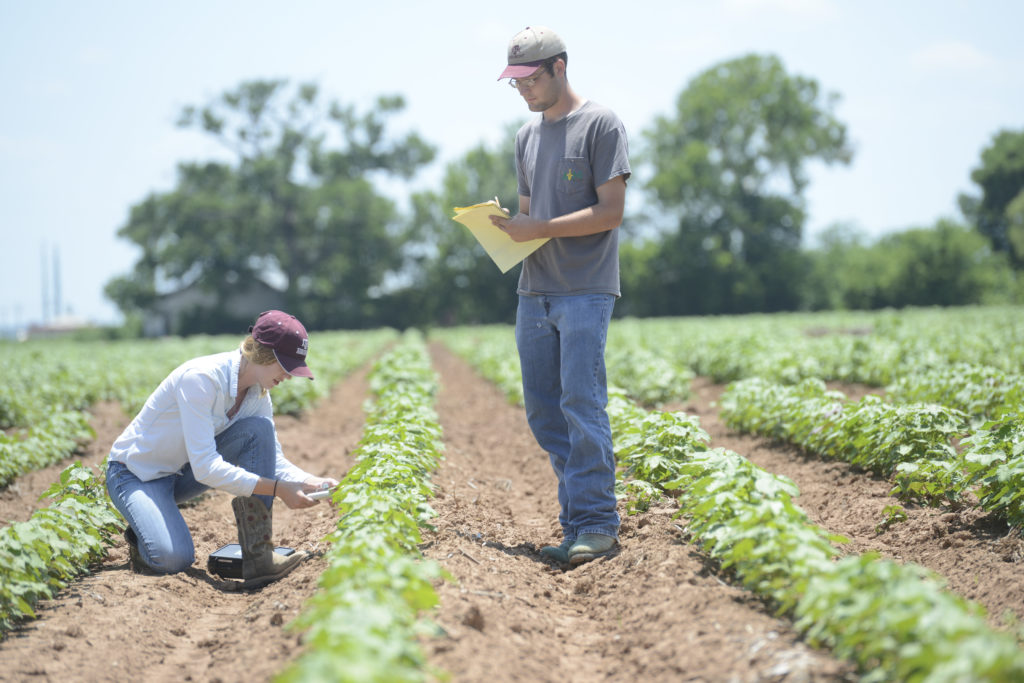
x=91, y=91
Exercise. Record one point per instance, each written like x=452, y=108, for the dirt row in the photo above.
x=654, y=612
x=976, y=555
x=657, y=610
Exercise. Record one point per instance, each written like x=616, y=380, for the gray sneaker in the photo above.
x=591, y=546
x=557, y=553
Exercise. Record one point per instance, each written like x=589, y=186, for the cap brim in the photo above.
x=293, y=366
x=520, y=70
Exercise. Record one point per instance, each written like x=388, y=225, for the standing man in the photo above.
x=572, y=164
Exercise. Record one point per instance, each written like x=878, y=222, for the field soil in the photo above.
x=117, y=625
x=657, y=610
x=976, y=556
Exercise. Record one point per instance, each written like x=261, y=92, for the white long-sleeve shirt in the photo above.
x=181, y=419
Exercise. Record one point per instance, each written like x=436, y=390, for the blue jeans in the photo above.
x=561, y=341
x=151, y=507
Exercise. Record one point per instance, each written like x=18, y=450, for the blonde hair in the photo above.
x=257, y=353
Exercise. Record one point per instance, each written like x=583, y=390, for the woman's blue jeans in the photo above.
x=561, y=342
x=151, y=507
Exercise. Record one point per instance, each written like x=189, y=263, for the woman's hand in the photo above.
x=317, y=484
x=293, y=493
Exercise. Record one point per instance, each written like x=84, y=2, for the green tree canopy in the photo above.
x=948, y=264
x=843, y=273
x=296, y=208
x=729, y=167
x=998, y=213
x=454, y=281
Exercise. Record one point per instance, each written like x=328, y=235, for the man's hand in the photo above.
x=521, y=228
x=606, y=214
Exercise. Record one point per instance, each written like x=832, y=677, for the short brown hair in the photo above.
x=549, y=63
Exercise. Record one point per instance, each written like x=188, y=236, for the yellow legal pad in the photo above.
x=503, y=250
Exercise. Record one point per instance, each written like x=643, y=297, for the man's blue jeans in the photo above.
x=151, y=507
x=561, y=342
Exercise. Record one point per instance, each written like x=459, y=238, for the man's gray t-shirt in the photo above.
x=560, y=167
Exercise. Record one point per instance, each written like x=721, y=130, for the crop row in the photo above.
x=58, y=543
x=47, y=442
x=869, y=433
x=895, y=621
x=913, y=442
x=979, y=391
x=972, y=357
x=363, y=622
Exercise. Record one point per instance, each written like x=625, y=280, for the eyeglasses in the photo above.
x=519, y=83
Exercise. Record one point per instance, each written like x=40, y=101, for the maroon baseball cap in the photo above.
x=287, y=337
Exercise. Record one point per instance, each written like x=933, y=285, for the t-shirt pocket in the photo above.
x=573, y=175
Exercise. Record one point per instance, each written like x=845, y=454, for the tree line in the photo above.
x=299, y=210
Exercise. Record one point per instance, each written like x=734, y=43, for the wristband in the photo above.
x=274, y=494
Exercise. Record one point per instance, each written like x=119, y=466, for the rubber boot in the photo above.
x=260, y=564
x=557, y=553
x=591, y=546
x=135, y=561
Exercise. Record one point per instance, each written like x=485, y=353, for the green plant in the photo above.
x=363, y=623
x=891, y=514
x=42, y=555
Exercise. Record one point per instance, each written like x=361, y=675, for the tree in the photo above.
x=296, y=209
x=843, y=273
x=453, y=280
x=1015, y=224
x=997, y=213
x=947, y=264
x=730, y=168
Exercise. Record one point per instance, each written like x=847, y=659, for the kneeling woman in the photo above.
x=210, y=424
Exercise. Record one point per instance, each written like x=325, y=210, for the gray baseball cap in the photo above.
x=529, y=48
